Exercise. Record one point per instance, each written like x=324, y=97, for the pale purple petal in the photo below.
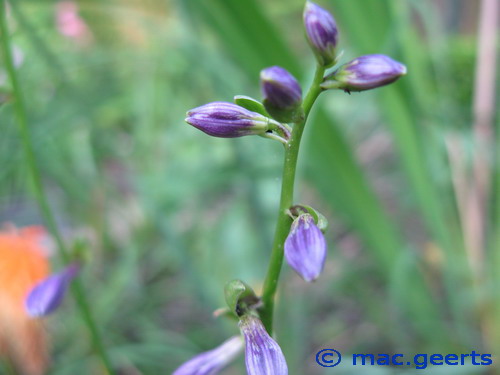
x=365, y=73
x=227, y=120
x=49, y=293
x=211, y=362
x=263, y=356
x=321, y=31
x=280, y=88
x=17, y=56
x=305, y=248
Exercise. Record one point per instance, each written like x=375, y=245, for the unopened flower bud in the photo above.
x=228, y=120
x=322, y=33
x=211, y=362
x=263, y=356
x=305, y=248
x=49, y=293
x=365, y=73
x=282, y=93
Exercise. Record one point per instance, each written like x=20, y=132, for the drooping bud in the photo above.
x=211, y=362
x=49, y=293
x=228, y=120
x=263, y=356
x=305, y=248
x=322, y=33
x=282, y=94
x=365, y=73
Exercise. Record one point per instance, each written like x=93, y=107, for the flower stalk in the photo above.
x=286, y=201
x=40, y=196
x=302, y=242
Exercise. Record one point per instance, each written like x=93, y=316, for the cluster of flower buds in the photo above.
x=281, y=105
x=305, y=247
x=48, y=294
x=363, y=73
x=282, y=94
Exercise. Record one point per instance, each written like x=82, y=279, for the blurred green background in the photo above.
x=170, y=215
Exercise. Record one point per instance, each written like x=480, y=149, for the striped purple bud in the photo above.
x=282, y=94
x=305, y=248
x=365, y=73
x=211, y=362
x=280, y=88
x=263, y=356
x=322, y=33
x=48, y=294
x=228, y=120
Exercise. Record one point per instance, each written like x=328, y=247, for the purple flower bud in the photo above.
x=279, y=88
x=263, y=356
x=48, y=294
x=322, y=33
x=305, y=248
x=228, y=120
x=365, y=73
x=211, y=362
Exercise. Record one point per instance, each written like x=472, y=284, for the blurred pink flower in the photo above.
x=69, y=22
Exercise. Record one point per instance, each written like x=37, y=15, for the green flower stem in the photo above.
x=286, y=201
x=48, y=216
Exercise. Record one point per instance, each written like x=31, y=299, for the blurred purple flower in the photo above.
x=279, y=88
x=227, y=120
x=211, y=362
x=17, y=56
x=47, y=295
x=17, y=59
x=365, y=73
x=322, y=33
x=263, y=356
x=305, y=248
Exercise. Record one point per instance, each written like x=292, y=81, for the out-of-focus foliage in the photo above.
x=169, y=215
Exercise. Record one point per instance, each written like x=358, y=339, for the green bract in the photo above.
x=251, y=104
x=239, y=297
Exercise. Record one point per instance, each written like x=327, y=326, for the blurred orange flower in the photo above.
x=23, y=263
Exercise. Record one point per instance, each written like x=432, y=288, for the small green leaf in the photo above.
x=251, y=104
